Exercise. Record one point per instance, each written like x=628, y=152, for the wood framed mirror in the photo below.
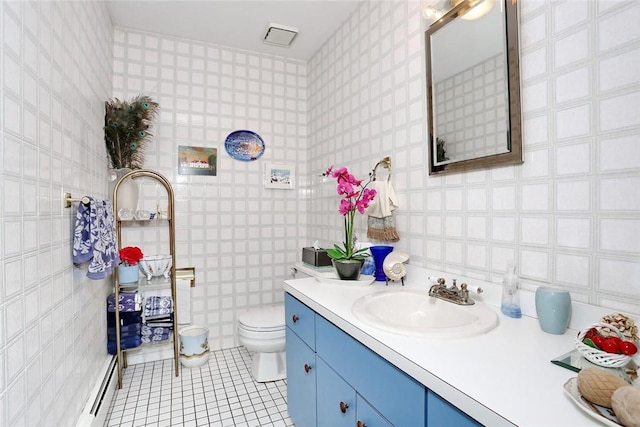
x=473, y=87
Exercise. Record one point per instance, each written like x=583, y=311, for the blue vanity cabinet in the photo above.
x=441, y=413
x=333, y=380
x=301, y=362
x=395, y=395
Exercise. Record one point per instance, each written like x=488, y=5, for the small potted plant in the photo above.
x=128, y=268
x=355, y=198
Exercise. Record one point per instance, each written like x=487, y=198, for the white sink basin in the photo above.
x=413, y=312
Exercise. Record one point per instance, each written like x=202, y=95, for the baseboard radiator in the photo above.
x=95, y=411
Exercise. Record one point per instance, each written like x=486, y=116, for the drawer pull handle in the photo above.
x=343, y=407
x=295, y=318
x=307, y=368
x=361, y=424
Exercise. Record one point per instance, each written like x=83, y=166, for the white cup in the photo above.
x=143, y=214
x=125, y=214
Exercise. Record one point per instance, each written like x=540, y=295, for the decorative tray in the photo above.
x=600, y=413
x=332, y=277
x=244, y=145
x=575, y=361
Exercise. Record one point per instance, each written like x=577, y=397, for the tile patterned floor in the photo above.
x=221, y=393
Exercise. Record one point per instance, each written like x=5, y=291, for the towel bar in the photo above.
x=67, y=199
x=385, y=163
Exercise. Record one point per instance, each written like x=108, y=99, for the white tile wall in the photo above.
x=568, y=215
x=241, y=238
x=55, y=73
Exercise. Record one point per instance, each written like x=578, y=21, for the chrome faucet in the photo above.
x=453, y=294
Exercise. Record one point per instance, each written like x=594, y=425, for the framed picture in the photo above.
x=197, y=160
x=279, y=176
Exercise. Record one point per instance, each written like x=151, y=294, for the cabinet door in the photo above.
x=441, y=413
x=301, y=381
x=369, y=417
x=336, y=398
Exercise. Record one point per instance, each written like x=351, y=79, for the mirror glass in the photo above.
x=473, y=87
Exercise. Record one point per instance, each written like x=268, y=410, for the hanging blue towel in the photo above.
x=94, y=238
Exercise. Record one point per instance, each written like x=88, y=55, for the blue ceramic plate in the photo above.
x=244, y=145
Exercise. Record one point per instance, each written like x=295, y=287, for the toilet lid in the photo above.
x=264, y=318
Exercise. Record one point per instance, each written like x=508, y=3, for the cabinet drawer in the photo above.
x=441, y=413
x=397, y=396
x=300, y=319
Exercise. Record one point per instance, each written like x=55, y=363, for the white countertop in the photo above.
x=501, y=378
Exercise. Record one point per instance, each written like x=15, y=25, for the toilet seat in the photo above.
x=264, y=319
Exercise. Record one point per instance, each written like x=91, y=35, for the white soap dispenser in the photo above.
x=511, y=293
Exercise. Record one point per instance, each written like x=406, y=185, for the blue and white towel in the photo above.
x=127, y=301
x=150, y=334
x=157, y=306
x=94, y=238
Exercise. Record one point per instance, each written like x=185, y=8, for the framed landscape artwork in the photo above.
x=279, y=176
x=197, y=160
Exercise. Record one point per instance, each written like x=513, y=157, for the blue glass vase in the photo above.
x=379, y=254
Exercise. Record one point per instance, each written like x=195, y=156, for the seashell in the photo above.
x=395, y=271
x=393, y=265
x=597, y=386
x=625, y=402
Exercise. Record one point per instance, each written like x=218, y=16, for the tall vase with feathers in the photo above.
x=126, y=135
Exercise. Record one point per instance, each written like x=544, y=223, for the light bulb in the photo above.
x=479, y=8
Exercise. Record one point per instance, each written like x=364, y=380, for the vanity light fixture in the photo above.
x=476, y=8
x=432, y=13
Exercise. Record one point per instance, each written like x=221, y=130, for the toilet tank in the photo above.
x=297, y=273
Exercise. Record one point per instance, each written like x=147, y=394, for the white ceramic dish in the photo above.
x=156, y=265
x=599, y=413
x=332, y=277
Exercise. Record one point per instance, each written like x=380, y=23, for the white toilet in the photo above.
x=262, y=332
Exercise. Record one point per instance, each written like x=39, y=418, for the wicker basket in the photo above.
x=599, y=357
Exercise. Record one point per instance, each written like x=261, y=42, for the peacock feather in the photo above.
x=126, y=130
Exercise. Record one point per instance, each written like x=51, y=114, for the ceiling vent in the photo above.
x=280, y=35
